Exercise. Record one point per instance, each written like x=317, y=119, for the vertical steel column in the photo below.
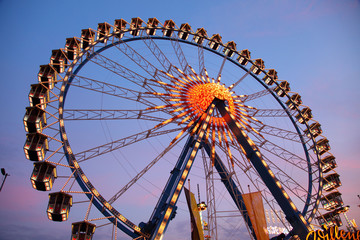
x=295, y=218
x=210, y=198
x=231, y=187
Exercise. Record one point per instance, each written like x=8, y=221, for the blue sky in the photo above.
x=312, y=44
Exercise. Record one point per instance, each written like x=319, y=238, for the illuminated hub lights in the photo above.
x=188, y=100
x=191, y=96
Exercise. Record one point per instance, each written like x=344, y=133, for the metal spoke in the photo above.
x=181, y=57
x=238, y=81
x=256, y=95
x=277, y=132
x=156, y=51
x=201, y=60
x=137, y=58
x=124, y=72
x=221, y=68
x=144, y=64
x=114, y=145
x=118, y=69
x=269, y=113
x=282, y=153
x=142, y=172
x=113, y=90
x=102, y=114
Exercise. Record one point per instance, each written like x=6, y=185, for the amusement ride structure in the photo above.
x=124, y=114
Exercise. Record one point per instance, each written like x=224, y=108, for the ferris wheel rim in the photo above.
x=78, y=68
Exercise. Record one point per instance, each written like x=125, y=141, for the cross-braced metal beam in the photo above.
x=293, y=215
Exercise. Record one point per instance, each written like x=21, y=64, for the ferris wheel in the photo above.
x=122, y=116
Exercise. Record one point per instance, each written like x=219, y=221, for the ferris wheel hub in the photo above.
x=202, y=95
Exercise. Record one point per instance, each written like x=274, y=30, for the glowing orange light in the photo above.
x=193, y=95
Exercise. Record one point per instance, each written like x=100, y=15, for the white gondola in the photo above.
x=72, y=48
x=59, y=206
x=169, y=27
x=271, y=77
x=58, y=60
x=151, y=26
x=294, y=101
x=39, y=96
x=282, y=89
x=34, y=120
x=36, y=146
x=47, y=76
x=82, y=230
x=331, y=182
x=184, y=31
x=332, y=201
x=119, y=27
x=135, y=26
x=229, y=48
x=304, y=116
x=314, y=130
x=244, y=57
x=328, y=163
x=258, y=66
x=103, y=32
x=43, y=176
x=200, y=35
x=322, y=146
x=215, y=41
x=330, y=219
x=87, y=37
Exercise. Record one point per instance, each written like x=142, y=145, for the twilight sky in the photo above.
x=312, y=44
